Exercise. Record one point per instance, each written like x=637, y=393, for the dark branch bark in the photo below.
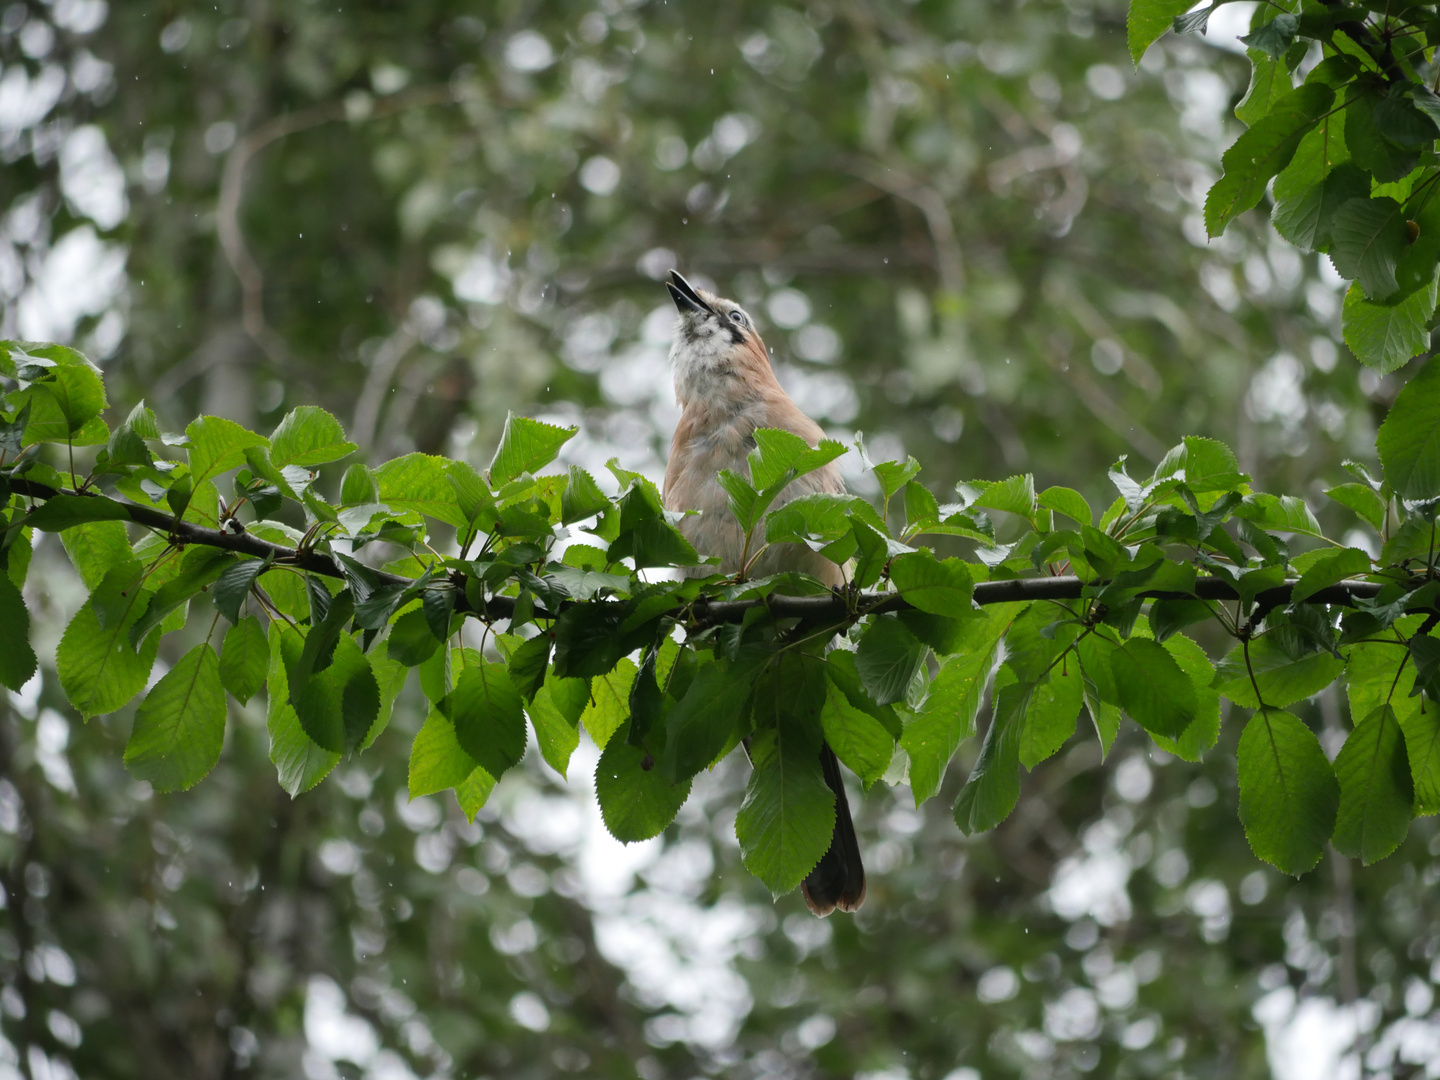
x=820, y=608
x=832, y=607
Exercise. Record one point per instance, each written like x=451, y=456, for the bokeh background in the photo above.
x=968, y=229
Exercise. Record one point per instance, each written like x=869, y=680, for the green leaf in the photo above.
x=127, y=443
x=1376, y=789
x=16, y=558
x=1288, y=792
x=1426, y=101
x=554, y=713
x=120, y=594
x=947, y=716
x=216, y=446
x=1067, y=501
x=334, y=703
x=1409, y=439
x=872, y=552
x=1014, y=496
x=588, y=640
x=1169, y=616
x=1337, y=70
x=858, y=739
x=244, y=657
x=419, y=483
x=994, y=784
x=1152, y=688
x=199, y=566
x=742, y=498
x=941, y=588
x=1307, y=218
x=233, y=586
x=1385, y=337
x=1425, y=652
x=582, y=497
x=1279, y=513
x=438, y=607
x=1282, y=678
x=586, y=584
x=349, y=680
x=893, y=475
x=1102, y=697
x=411, y=640
x=645, y=535
x=1263, y=151
x=359, y=487
x=337, y=706
x=489, y=722
x=1368, y=145
x=99, y=669
x=473, y=496
x=1050, y=719
x=1148, y=20
x=1401, y=123
x=360, y=696
x=609, y=705
x=705, y=719
x=775, y=454
x=1036, y=638
x=921, y=506
x=1422, y=750
x=1381, y=672
x=1415, y=269
x=1274, y=37
x=818, y=520
x=1326, y=571
x=61, y=512
x=888, y=658
x=96, y=547
x=267, y=484
x=17, y=658
x=180, y=726
x=818, y=456
x=437, y=762
x=786, y=821
x=1367, y=238
x=526, y=446
x=527, y=663
x=65, y=406
x=636, y=801
x=1269, y=82
x=308, y=436
x=1204, y=730
x=1364, y=500
x=390, y=677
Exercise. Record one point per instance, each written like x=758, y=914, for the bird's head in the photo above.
x=717, y=351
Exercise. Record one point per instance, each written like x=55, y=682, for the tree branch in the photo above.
x=833, y=607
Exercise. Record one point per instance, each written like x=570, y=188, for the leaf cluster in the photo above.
x=332, y=586
x=1349, y=144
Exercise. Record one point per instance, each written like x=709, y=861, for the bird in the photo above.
x=726, y=389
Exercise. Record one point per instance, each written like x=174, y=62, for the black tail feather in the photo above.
x=838, y=880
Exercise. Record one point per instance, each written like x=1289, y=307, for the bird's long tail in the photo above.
x=838, y=880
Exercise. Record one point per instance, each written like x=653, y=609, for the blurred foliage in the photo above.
x=968, y=229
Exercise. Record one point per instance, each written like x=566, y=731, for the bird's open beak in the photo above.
x=687, y=300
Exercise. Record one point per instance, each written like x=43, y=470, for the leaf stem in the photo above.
x=1250, y=670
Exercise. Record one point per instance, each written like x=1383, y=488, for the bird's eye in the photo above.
x=738, y=317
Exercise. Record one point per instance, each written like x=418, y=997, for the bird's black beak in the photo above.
x=687, y=300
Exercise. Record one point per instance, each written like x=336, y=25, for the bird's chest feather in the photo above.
x=706, y=444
